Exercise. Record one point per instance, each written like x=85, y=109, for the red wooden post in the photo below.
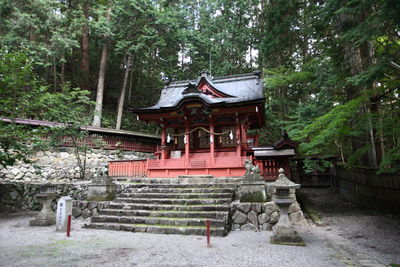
x=163, y=143
x=238, y=142
x=69, y=226
x=208, y=224
x=212, y=143
x=187, y=145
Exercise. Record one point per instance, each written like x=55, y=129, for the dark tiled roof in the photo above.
x=240, y=88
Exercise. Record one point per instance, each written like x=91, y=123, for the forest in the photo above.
x=331, y=68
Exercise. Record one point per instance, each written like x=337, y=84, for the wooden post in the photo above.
x=238, y=142
x=163, y=144
x=187, y=145
x=212, y=142
x=208, y=232
x=69, y=226
x=244, y=131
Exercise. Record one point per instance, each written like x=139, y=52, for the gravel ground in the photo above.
x=359, y=235
x=348, y=237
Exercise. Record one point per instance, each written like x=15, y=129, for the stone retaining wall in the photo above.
x=60, y=165
x=20, y=195
x=15, y=196
x=373, y=191
x=261, y=216
x=87, y=209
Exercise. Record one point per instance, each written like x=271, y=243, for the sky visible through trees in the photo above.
x=331, y=68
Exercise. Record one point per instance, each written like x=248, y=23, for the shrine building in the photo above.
x=205, y=125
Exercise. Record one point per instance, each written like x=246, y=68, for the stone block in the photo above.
x=294, y=207
x=257, y=207
x=270, y=207
x=244, y=207
x=235, y=227
x=302, y=222
x=296, y=216
x=128, y=228
x=140, y=228
x=156, y=230
x=249, y=227
x=252, y=191
x=239, y=217
x=92, y=205
x=266, y=227
x=83, y=205
x=252, y=216
x=274, y=217
x=263, y=218
x=86, y=214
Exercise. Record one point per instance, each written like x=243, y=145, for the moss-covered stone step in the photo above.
x=157, y=220
x=175, y=201
x=156, y=185
x=158, y=229
x=151, y=206
x=176, y=195
x=167, y=213
x=184, y=180
x=180, y=190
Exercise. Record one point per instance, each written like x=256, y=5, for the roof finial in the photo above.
x=205, y=73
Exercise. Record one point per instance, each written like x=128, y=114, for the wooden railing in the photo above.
x=220, y=162
x=127, y=168
x=109, y=142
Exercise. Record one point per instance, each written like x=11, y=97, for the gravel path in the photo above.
x=361, y=237
x=348, y=237
x=21, y=245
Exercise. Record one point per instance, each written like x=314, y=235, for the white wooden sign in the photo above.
x=64, y=208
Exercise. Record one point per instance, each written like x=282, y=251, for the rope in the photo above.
x=199, y=128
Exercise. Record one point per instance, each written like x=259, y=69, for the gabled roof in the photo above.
x=285, y=142
x=219, y=91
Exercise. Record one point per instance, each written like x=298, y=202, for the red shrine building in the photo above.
x=205, y=124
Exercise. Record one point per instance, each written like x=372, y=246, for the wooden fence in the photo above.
x=127, y=168
x=109, y=142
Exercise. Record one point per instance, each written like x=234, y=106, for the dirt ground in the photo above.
x=344, y=236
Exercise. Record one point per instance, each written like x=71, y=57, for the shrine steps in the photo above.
x=184, y=180
x=178, y=207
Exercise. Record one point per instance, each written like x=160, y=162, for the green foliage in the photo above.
x=316, y=59
x=23, y=95
x=316, y=165
x=328, y=130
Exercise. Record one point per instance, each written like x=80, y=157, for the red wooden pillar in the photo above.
x=244, y=132
x=238, y=141
x=187, y=145
x=163, y=143
x=212, y=143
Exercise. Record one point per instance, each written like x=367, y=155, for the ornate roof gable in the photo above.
x=208, y=88
x=191, y=89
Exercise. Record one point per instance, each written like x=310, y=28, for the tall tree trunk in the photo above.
x=85, y=82
x=123, y=91
x=54, y=75
x=62, y=71
x=100, y=84
x=130, y=86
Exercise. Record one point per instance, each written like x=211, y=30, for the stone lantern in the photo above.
x=283, y=231
x=46, y=216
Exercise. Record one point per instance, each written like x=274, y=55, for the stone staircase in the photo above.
x=170, y=206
